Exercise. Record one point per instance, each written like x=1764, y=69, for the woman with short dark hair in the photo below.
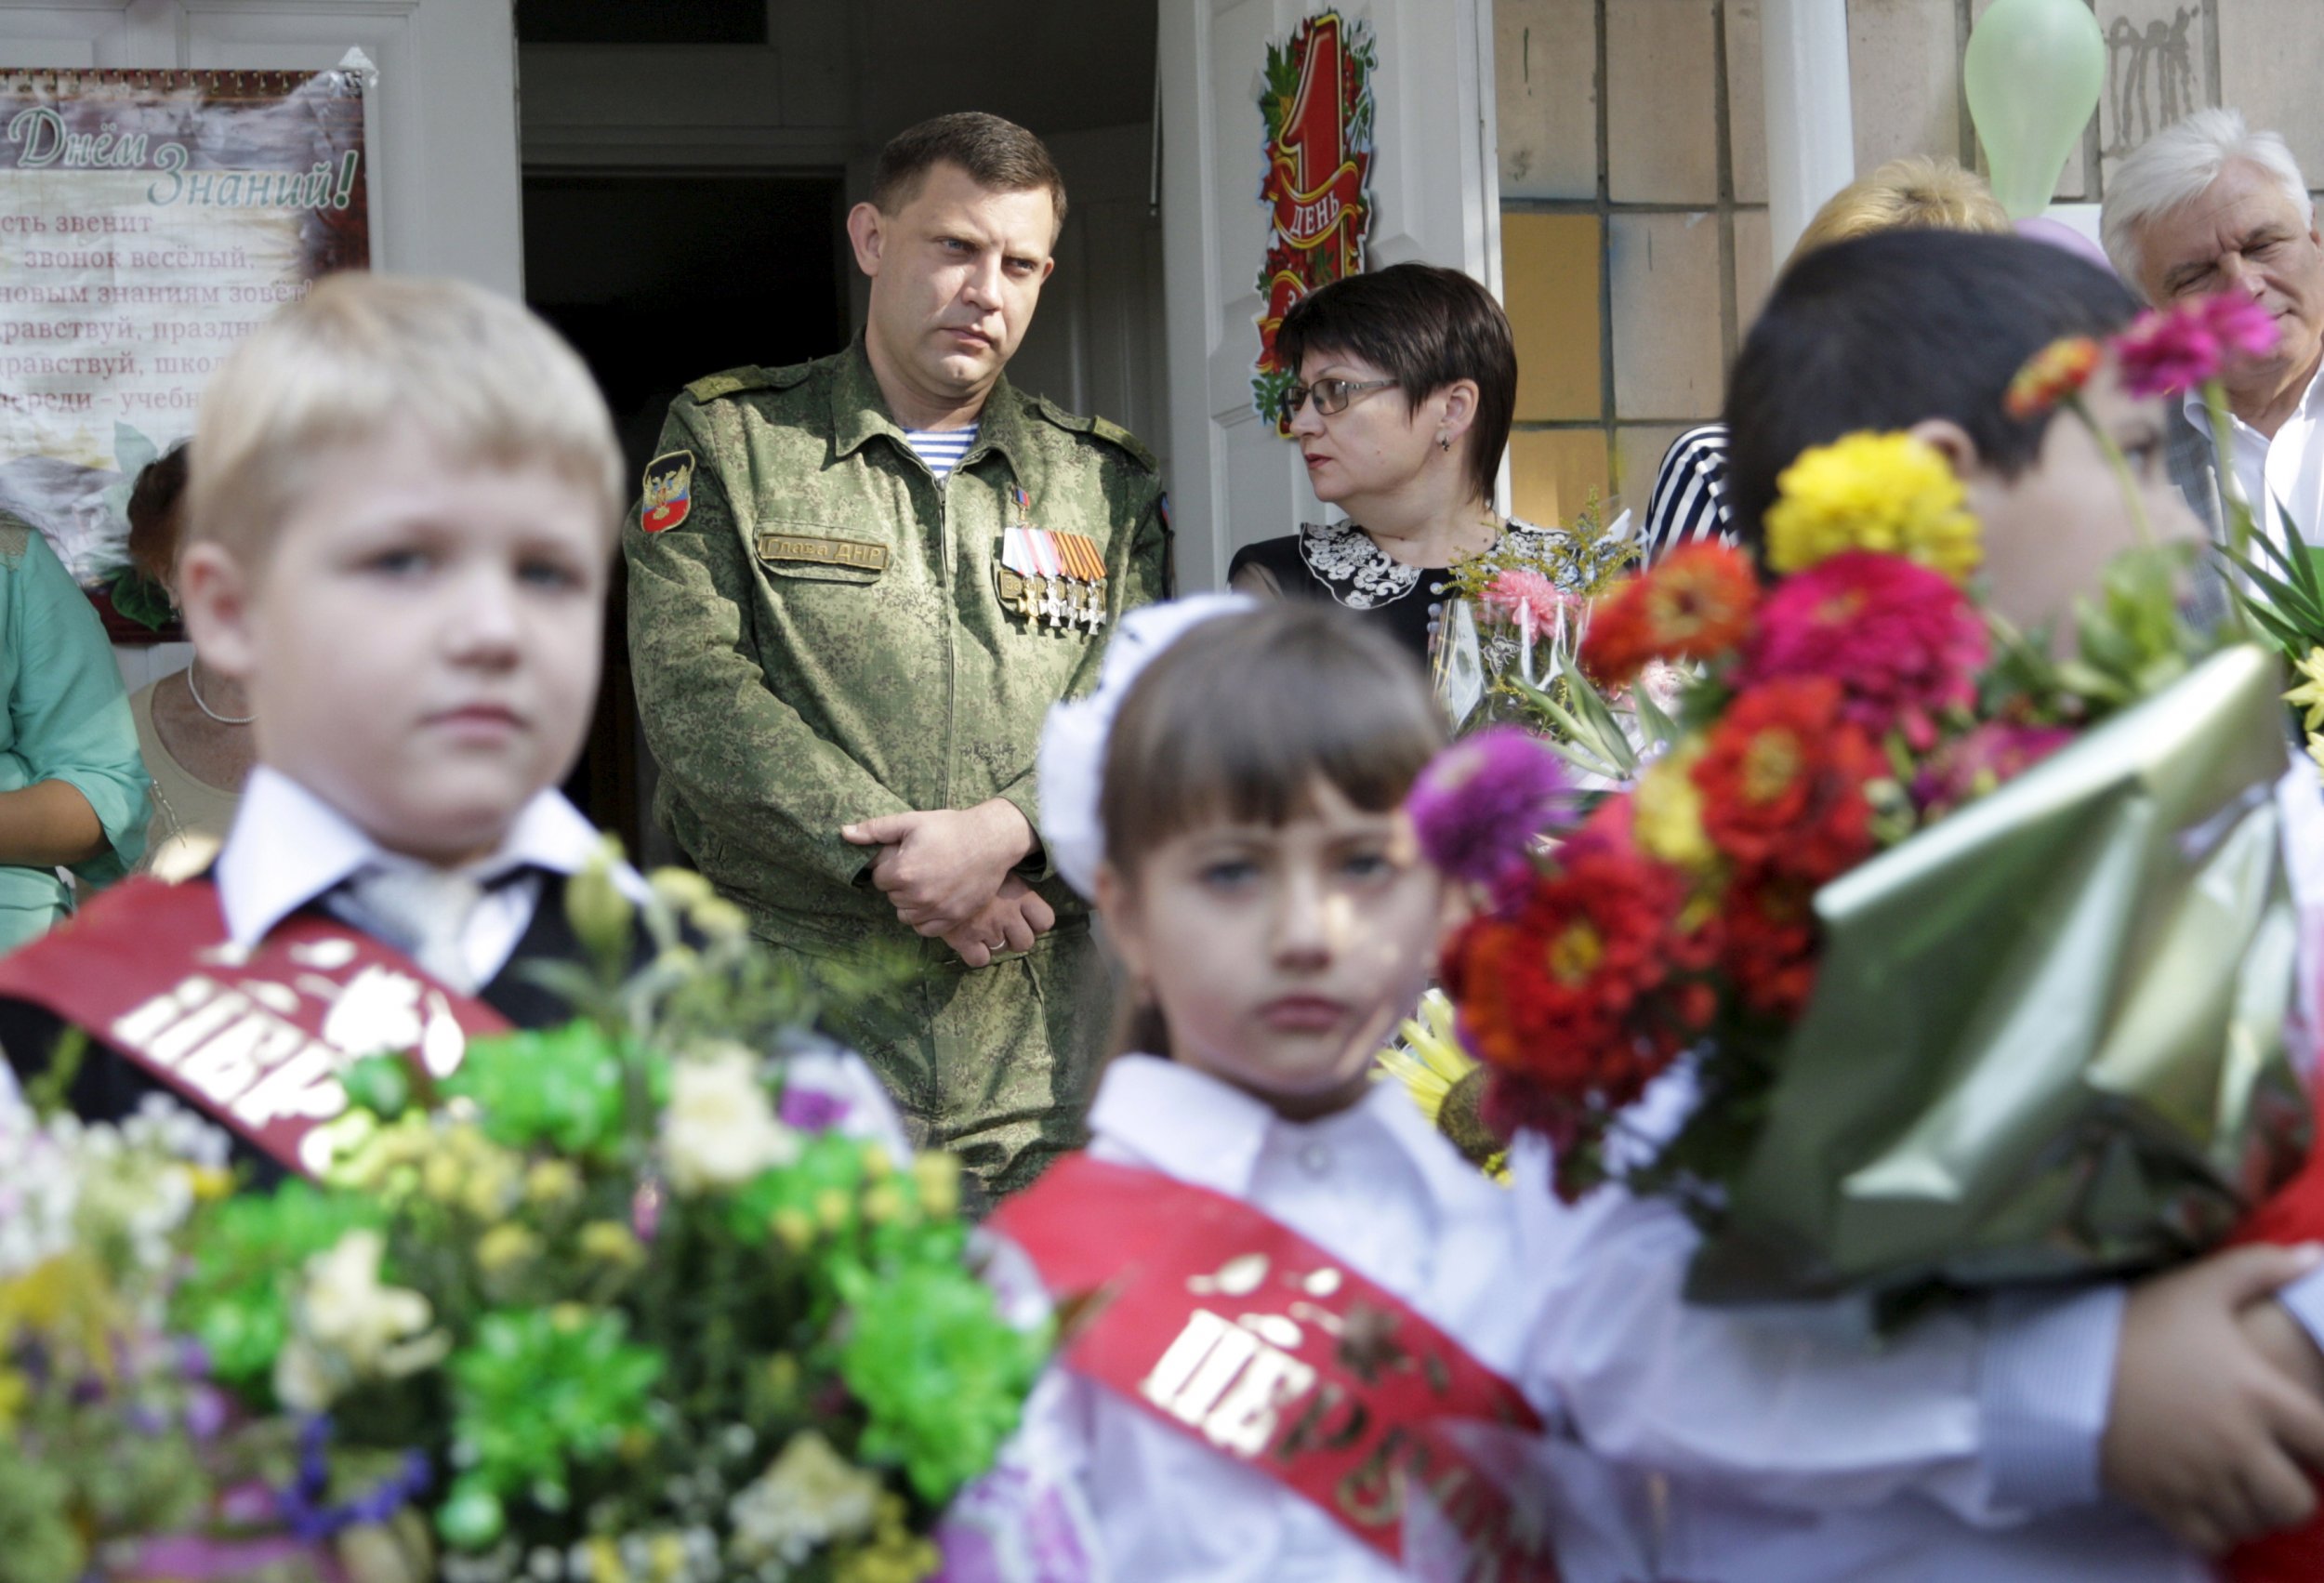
x=1406, y=381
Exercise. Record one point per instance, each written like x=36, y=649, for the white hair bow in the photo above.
x=1072, y=766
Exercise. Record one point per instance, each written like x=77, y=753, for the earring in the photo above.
x=1444, y=440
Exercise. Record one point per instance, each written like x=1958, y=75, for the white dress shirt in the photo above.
x=1782, y=1447
x=2287, y=471
x=289, y=847
x=1376, y=1186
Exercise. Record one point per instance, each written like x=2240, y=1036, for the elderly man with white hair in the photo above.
x=2209, y=205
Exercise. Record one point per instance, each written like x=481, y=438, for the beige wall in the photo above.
x=1635, y=250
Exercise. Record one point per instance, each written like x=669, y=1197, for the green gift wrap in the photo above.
x=2047, y=1038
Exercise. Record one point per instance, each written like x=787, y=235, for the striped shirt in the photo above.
x=1689, y=501
x=941, y=448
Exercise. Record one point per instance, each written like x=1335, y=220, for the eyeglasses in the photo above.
x=1330, y=396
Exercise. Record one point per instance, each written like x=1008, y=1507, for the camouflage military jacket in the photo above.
x=817, y=632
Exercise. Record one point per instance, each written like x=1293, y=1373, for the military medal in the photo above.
x=1087, y=565
x=1020, y=589
x=1049, y=576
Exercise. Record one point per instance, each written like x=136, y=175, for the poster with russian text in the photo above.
x=148, y=220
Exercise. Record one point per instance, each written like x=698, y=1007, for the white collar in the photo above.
x=2191, y=405
x=1189, y=1125
x=288, y=846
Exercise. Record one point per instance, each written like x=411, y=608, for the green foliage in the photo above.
x=941, y=1376
x=562, y=1087
x=246, y=1265
x=2131, y=641
x=540, y=1389
x=38, y=1540
x=141, y=599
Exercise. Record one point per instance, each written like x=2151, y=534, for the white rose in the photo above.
x=721, y=1128
x=348, y=1327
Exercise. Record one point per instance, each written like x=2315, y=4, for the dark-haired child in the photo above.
x=2033, y=1435
x=1288, y=1300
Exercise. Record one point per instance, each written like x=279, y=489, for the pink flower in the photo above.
x=1481, y=802
x=2170, y=349
x=1527, y=597
x=1968, y=767
x=1902, y=641
x=2241, y=325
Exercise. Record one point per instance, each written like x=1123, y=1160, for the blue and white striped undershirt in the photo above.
x=941, y=448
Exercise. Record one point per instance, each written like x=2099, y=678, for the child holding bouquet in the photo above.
x=1287, y=1301
x=1713, y=913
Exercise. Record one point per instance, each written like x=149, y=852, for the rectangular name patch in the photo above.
x=823, y=551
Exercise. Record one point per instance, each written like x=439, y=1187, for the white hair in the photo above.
x=2173, y=167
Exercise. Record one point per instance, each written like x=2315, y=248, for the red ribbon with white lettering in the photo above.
x=1234, y=1329
x=254, y=1041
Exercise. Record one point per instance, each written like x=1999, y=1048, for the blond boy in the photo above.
x=401, y=523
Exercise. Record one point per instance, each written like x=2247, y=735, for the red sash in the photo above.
x=1244, y=1335
x=253, y=1042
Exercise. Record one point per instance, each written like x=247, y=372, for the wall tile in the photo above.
x=1553, y=470
x=2274, y=86
x=1550, y=287
x=1637, y=450
x=1904, y=76
x=1754, y=267
x=1746, y=102
x=1545, y=71
x=1666, y=351
x=2159, y=66
x=1661, y=86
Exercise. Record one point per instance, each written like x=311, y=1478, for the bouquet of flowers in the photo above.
x=1974, y=964
x=629, y=1299
x=1513, y=616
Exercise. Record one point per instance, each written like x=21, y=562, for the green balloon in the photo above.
x=2033, y=73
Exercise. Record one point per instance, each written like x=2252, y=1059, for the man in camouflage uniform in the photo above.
x=844, y=682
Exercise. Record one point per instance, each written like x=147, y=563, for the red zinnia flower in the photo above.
x=1567, y=991
x=1767, y=942
x=1695, y=603
x=1904, y=642
x=1783, y=781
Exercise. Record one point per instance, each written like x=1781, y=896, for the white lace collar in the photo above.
x=1360, y=575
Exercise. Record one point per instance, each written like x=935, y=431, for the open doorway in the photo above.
x=658, y=278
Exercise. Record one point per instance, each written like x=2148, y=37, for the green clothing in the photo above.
x=67, y=720
x=820, y=641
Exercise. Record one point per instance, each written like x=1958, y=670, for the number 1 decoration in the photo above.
x=1317, y=103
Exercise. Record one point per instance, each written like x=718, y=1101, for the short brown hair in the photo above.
x=156, y=514
x=999, y=156
x=1240, y=719
x=1912, y=194
x=1242, y=716
x=1424, y=328
x=483, y=375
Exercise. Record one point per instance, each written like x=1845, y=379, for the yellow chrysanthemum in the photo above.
x=1891, y=493
x=2309, y=695
x=1428, y=1059
x=1667, y=811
